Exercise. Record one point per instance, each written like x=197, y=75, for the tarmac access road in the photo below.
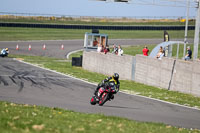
x=53, y=48
x=27, y=84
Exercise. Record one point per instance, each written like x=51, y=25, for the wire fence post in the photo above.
x=196, y=36
x=186, y=27
x=177, y=51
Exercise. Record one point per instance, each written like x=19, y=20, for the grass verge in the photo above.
x=20, y=118
x=16, y=33
x=131, y=86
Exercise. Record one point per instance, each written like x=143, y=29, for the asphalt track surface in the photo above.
x=53, y=48
x=26, y=84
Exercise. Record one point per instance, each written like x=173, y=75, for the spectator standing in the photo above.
x=99, y=48
x=189, y=54
x=145, y=51
x=120, y=51
x=95, y=42
x=106, y=50
x=115, y=49
x=166, y=36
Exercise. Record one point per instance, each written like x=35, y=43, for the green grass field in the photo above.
x=14, y=34
x=18, y=118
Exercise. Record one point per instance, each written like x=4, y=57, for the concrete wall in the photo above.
x=185, y=77
x=108, y=64
x=153, y=72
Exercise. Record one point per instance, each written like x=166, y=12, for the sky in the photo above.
x=90, y=8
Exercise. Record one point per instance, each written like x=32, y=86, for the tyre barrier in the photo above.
x=96, y=27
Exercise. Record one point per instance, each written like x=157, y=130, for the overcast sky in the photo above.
x=89, y=8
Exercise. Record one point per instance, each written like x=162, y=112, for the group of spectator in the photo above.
x=161, y=53
x=101, y=48
x=117, y=50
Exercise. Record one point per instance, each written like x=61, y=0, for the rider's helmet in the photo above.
x=6, y=49
x=116, y=76
x=112, y=85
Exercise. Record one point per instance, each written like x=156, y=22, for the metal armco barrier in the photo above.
x=96, y=27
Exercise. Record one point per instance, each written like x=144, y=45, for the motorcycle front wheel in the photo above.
x=93, y=100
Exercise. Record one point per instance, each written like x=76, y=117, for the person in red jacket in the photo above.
x=145, y=51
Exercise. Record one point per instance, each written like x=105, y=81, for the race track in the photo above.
x=24, y=83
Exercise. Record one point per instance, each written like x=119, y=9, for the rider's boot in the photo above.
x=112, y=97
x=96, y=90
x=97, y=98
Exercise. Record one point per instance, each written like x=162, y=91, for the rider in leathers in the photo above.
x=4, y=52
x=106, y=82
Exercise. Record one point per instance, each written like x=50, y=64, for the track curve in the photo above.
x=27, y=84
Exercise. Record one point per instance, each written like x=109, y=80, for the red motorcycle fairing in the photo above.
x=101, y=90
x=103, y=95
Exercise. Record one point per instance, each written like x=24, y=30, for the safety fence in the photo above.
x=95, y=27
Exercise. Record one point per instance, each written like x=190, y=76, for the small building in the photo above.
x=92, y=40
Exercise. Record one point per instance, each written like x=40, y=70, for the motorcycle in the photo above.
x=104, y=94
x=4, y=53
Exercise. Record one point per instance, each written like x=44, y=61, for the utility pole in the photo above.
x=196, y=36
x=186, y=27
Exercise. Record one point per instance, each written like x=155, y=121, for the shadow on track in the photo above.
x=120, y=107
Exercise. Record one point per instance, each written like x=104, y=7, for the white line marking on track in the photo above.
x=119, y=91
x=73, y=52
x=66, y=75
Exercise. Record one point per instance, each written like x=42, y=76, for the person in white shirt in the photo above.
x=99, y=48
x=120, y=51
x=115, y=49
